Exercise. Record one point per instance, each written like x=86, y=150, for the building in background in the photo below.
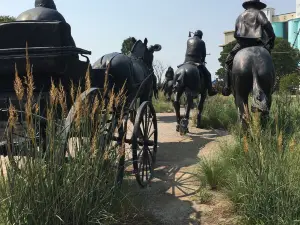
x=285, y=25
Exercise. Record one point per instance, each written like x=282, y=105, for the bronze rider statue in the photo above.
x=252, y=28
x=45, y=10
x=196, y=52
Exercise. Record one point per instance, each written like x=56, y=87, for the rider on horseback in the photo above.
x=45, y=10
x=252, y=29
x=196, y=52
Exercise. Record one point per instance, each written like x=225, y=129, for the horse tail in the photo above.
x=260, y=99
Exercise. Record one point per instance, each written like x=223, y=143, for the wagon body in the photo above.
x=52, y=55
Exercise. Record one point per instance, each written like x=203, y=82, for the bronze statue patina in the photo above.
x=167, y=86
x=45, y=10
x=252, y=65
x=252, y=28
x=196, y=53
x=193, y=78
x=132, y=70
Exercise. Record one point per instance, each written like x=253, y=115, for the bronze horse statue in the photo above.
x=253, y=70
x=188, y=80
x=131, y=70
x=167, y=86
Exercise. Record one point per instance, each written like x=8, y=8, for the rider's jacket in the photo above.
x=45, y=10
x=253, y=24
x=196, y=50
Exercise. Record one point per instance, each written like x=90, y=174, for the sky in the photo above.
x=101, y=26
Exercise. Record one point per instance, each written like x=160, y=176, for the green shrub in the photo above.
x=43, y=188
x=161, y=104
x=261, y=169
x=219, y=112
x=290, y=83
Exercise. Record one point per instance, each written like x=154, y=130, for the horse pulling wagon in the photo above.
x=55, y=58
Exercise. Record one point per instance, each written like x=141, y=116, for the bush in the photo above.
x=161, y=104
x=261, y=170
x=219, y=112
x=290, y=83
x=44, y=189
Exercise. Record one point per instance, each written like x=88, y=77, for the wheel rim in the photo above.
x=145, y=144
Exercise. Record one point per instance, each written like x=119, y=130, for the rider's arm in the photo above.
x=204, y=52
x=267, y=26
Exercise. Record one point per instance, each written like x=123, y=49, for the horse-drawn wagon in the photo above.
x=54, y=59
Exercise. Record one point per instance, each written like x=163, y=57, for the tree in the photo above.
x=159, y=70
x=285, y=58
x=7, y=19
x=127, y=45
x=226, y=49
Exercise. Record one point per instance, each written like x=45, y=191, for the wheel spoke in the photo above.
x=146, y=125
x=149, y=151
x=150, y=128
x=143, y=169
x=146, y=160
x=149, y=136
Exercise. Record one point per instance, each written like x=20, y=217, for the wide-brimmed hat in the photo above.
x=45, y=3
x=255, y=3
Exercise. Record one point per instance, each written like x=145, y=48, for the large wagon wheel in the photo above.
x=144, y=143
x=108, y=130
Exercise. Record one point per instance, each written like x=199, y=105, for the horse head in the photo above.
x=140, y=50
x=149, y=54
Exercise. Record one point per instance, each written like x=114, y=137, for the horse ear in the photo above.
x=133, y=39
x=145, y=41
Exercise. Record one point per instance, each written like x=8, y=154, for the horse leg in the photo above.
x=243, y=110
x=264, y=116
x=202, y=98
x=176, y=105
x=185, y=122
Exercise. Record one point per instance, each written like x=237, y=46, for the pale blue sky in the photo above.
x=101, y=26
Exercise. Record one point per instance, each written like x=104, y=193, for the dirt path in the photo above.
x=172, y=197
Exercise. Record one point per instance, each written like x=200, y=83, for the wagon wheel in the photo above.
x=144, y=143
x=107, y=131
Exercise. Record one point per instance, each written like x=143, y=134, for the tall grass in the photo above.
x=161, y=105
x=219, y=113
x=261, y=169
x=43, y=187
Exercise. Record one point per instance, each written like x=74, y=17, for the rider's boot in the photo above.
x=211, y=90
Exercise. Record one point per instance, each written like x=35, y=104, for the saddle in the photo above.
x=192, y=63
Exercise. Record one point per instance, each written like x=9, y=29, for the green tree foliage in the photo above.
x=226, y=49
x=7, y=19
x=127, y=45
x=285, y=58
x=289, y=83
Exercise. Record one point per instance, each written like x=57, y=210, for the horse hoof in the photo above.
x=177, y=128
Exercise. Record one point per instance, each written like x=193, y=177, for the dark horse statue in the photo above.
x=132, y=70
x=188, y=80
x=253, y=70
x=167, y=86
